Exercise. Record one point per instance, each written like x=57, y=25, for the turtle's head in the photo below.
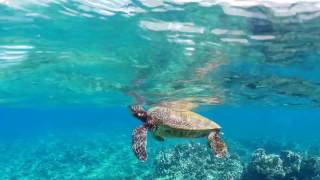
x=138, y=112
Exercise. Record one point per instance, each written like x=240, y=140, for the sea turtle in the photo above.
x=165, y=122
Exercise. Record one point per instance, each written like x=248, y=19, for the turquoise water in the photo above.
x=69, y=69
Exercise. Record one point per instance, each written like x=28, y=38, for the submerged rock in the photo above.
x=288, y=166
x=291, y=164
x=310, y=168
x=264, y=166
x=196, y=161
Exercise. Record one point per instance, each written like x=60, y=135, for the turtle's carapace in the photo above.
x=166, y=122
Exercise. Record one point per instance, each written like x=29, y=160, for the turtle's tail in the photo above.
x=216, y=143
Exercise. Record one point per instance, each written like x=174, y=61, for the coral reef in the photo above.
x=291, y=163
x=286, y=166
x=310, y=168
x=263, y=166
x=72, y=157
x=195, y=161
x=99, y=156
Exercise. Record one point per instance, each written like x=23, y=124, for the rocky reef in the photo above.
x=72, y=157
x=263, y=166
x=100, y=156
x=310, y=168
x=195, y=161
x=286, y=166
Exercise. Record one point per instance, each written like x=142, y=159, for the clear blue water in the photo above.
x=69, y=69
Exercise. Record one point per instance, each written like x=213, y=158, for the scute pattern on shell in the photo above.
x=159, y=114
x=181, y=119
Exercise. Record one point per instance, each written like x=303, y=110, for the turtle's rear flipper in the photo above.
x=216, y=143
x=139, y=142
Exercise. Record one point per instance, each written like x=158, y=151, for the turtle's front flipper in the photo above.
x=216, y=143
x=139, y=142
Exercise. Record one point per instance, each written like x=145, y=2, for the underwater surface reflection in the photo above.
x=238, y=52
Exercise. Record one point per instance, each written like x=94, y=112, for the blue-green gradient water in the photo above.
x=70, y=68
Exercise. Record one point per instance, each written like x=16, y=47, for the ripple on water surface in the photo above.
x=102, y=52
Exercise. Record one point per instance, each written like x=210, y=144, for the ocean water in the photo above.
x=69, y=70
